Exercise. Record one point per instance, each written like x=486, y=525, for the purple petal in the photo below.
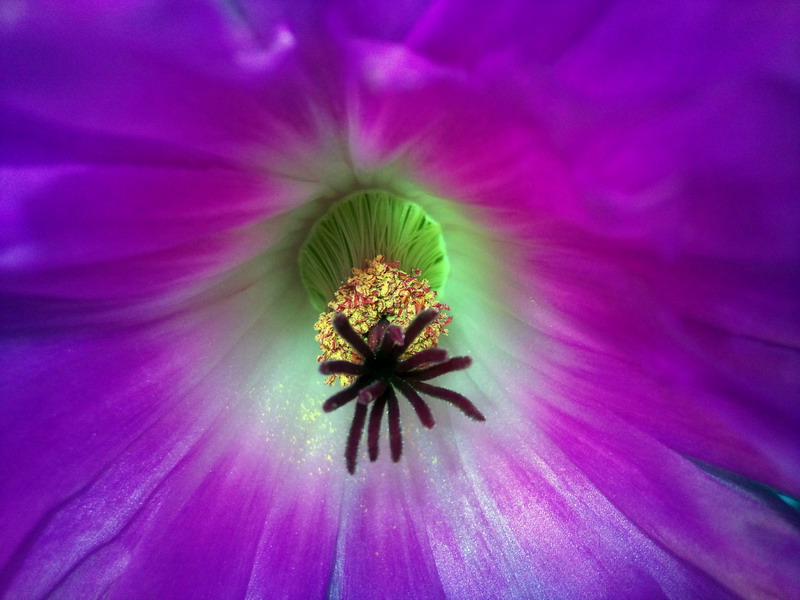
x=117, y=470
x=624, y=273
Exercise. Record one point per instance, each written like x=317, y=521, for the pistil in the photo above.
x=379, y=369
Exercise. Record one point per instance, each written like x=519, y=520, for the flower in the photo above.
x=616, y=186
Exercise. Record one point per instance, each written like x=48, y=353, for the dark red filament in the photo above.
x=381, y=372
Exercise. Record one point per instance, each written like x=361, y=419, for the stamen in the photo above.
x=375, y=297
x=393, y=338
x=376, y=332
x=341, y=398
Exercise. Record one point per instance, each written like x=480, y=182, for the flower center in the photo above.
x=379, y=291
x=381, y=332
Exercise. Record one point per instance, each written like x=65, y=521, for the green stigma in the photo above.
x=360, y=227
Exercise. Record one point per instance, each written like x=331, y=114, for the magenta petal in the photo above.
x=693, y=519
x=124, y=75
x=399, y=553
x=529, y=478
x=705, y=364
x=134, y=462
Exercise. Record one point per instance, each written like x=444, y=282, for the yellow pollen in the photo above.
x=379, y=290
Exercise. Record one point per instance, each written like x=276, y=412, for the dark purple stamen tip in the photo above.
x=381, y=372
x=454, y=398
x=341, y=398
x=372, y=391
x=393, y=337
x=342, y=326
x=373, y=434
x=431, y=356
x=454, y=364
x=395, y=432
x=420, y=406
x=375, y=334
x=340, y=367
x=354, y=437
x=418, y=325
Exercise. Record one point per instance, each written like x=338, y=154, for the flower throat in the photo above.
x=380, y=332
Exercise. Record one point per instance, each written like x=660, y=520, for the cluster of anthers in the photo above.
x=379, y=290
x=382, y=370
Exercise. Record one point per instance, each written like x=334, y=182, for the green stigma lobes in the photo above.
x=360, y=227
